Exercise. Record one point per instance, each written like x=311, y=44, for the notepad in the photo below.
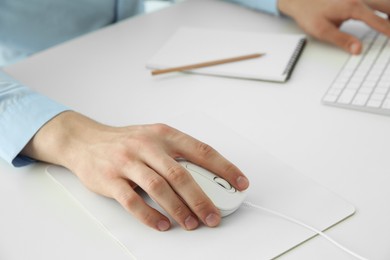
x=245, y=234
x=197, y=45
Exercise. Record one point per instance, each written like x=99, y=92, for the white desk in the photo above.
x=103, y=76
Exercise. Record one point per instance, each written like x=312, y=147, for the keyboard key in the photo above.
x=374, y=103
x=365, y=90
x=386, y=104
x=377, y=96
x=346, y=96
x=360, y=99
x=381, y=91
x=330, y=98
x=335, y=91
x=369, y=84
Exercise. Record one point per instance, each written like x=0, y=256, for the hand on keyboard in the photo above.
x=364, y=81
x=322, y=18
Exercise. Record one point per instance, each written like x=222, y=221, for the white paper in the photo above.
x=196, y=45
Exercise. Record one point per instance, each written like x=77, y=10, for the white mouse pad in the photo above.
x=246, y=234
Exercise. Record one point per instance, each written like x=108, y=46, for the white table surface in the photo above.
x=102, y=75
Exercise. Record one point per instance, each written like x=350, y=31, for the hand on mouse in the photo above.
x=112, y=161
x=322, y=18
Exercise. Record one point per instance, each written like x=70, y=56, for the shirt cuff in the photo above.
x=269, y=6
x=22, y=113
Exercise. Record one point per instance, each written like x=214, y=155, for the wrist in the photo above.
x=285, y=6
x=61, y=139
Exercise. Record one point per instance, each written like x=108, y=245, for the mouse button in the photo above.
x=200, y=170
x=223, y=183
x=203, y=182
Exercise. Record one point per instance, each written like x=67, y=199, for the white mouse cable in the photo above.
x=319, y=232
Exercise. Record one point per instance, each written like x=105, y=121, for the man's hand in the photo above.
x=112, y=161
x=322, y=18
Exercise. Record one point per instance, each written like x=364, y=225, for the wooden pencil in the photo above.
x=206, y=64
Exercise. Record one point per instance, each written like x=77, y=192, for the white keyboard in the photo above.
x=364, y=81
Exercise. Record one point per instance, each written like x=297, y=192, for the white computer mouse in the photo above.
x=224, y=196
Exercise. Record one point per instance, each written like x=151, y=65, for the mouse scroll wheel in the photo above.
x=223, y=183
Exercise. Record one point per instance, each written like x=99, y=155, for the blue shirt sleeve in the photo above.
x=269, y=6
x=27, y=27
x=22, y=113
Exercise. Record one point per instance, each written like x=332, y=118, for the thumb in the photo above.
x=333, y=35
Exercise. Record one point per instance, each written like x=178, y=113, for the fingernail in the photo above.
x=212, y=220
x=242, y=182
x=191, y=223
x=163, y=225
x=354, y=48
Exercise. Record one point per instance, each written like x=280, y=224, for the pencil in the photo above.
x=207, y=64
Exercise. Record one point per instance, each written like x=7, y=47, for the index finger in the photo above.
x=206, y=156
x=380, y=5
x=330, y=33
x=376, y=22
